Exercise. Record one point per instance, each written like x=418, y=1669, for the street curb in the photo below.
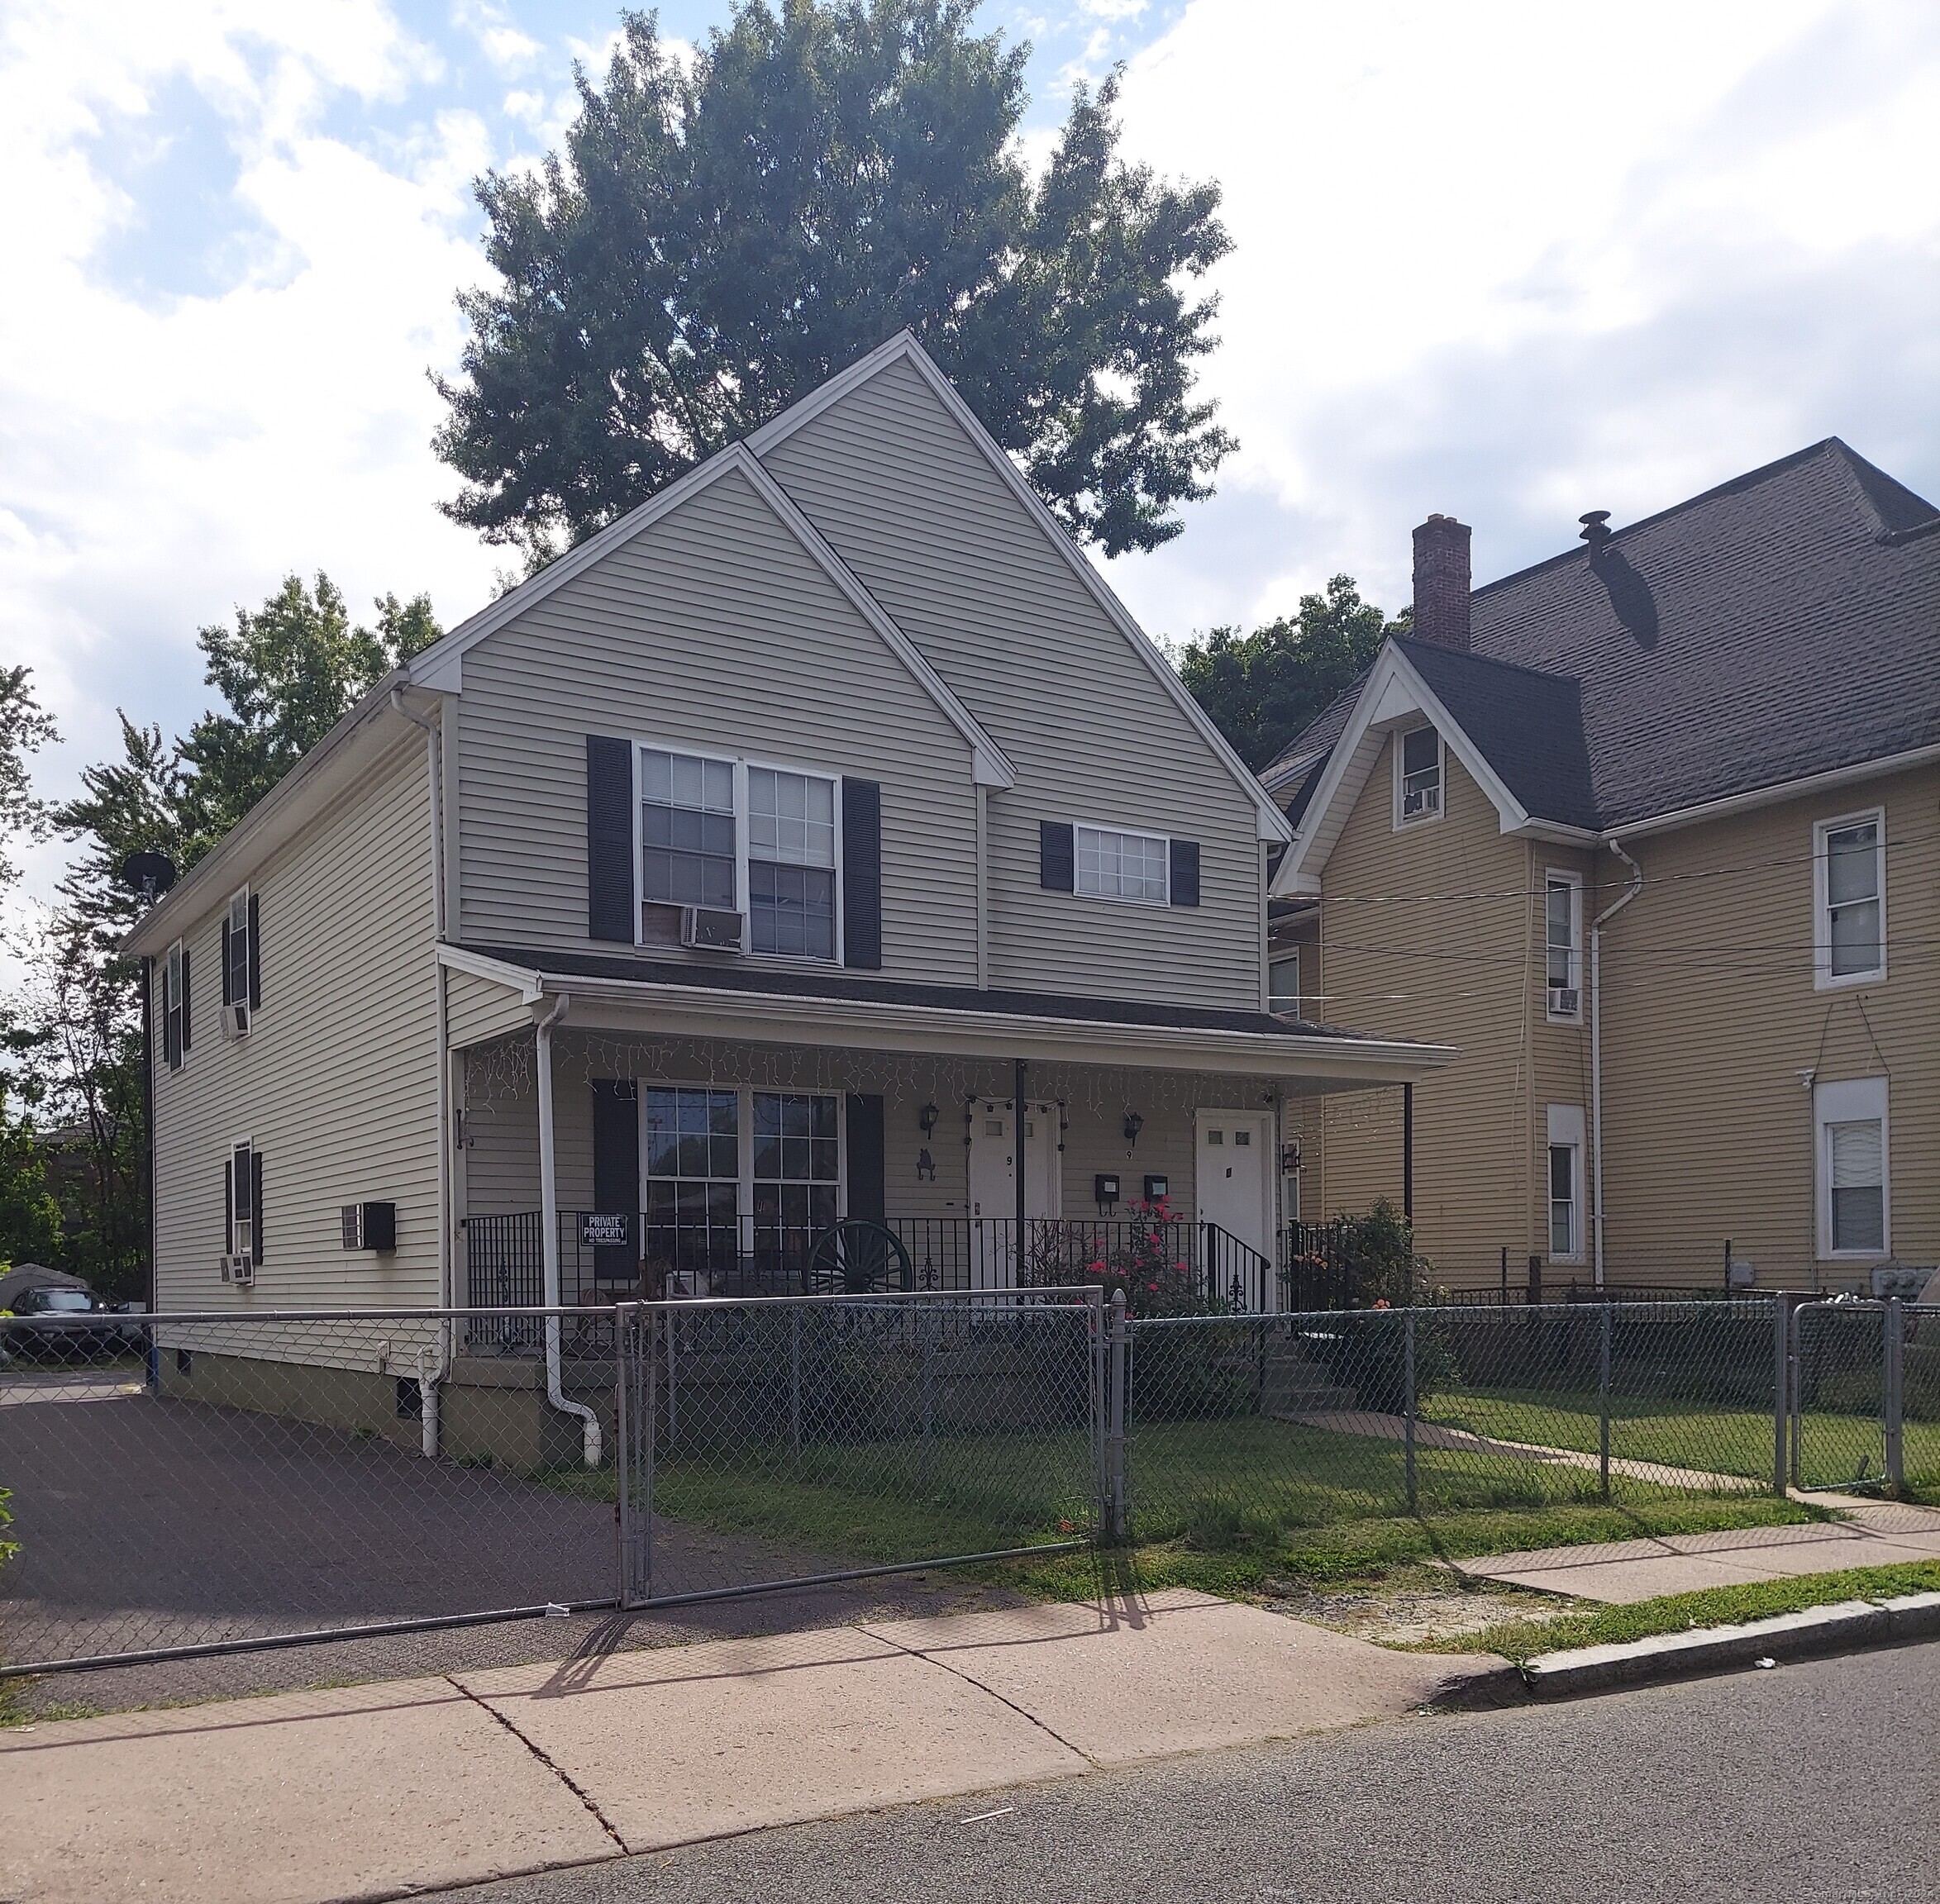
x=1850, y=1625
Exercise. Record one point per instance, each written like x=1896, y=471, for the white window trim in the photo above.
x=229, y=1248
x=744, y=1124
x=1823, y=978
x=172, y=961
x=740, y=763
x=1412, y=821
x=1566, y=1130
x=242, y=892
x=1852, y=1100
x=1079, y=826
x=1564, y=876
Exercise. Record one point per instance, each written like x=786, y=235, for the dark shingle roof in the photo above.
x=1785, y=624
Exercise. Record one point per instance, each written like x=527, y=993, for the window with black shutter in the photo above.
x=1185, y=882
x=175, y=1005
x=1057, y=856
x=609, y=840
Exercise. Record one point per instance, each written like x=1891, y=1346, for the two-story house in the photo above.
x=1652, y=832
x=822, y=840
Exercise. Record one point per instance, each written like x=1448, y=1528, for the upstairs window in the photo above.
x=1418, y=776
x=241, y=963
x=1849, y=873
x=687, y=830
x=174, y=1004
x=1563, y=909
x=1283, y=983
x=791, y=863
x=1114, y=865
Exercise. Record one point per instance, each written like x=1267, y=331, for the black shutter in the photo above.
x=1057, y=857
x=183, y=1033
x=256, y=1208
x=609, y=838
x=228, y=1205
x=1185, y=873
x=867, y=1172
x=616, y=1173
x=228, y=989
x=862, y=874
x=255, y=963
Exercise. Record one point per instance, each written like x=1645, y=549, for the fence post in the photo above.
x=1781, y=1390
x=1603, y=1390
x=1408, y=1384
x=1893, y=1396
x=1117, y=1519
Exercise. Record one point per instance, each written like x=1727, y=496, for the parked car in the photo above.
x=69, y=1326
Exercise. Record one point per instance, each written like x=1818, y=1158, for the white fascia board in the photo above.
x=317, y=781
x=1393, y=690
x=990, y=768
x=493, y=971
x=1332, y=1063
x=1270, y=823
x=1730, y=803
x=442, y=664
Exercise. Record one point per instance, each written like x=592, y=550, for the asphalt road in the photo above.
x=1818, y=1783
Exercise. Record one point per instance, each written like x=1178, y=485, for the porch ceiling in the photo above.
x=1303, y=1062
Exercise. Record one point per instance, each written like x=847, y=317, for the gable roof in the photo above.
x=441, y=665
x=1783, y=626
x=903, y=348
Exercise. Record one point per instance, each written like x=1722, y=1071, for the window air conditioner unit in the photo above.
x=239, y=1272
x=236, y=1020
x=370, y=1225
x=709, y=927
x=1416, y=801
x=1565, y=1001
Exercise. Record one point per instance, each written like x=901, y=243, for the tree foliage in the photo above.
x=1264, y=689
x=718, y=239
x=24, y=728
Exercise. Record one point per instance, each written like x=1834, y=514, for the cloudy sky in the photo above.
x=1513, y=261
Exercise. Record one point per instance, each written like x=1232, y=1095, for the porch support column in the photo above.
x=1018, y=1150
x=590, y=1437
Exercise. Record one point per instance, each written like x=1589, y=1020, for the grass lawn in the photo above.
x=1682, y=1612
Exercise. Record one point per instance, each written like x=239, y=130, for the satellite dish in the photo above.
x=151, y=874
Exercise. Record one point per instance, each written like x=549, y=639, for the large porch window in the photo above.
x=796, y=1180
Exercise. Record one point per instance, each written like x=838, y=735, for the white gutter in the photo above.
x=549, y=1224
x=433, y=1366
x=1596, y=1040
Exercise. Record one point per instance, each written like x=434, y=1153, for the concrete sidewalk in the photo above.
x=1621, y=1572
x=380, y=1790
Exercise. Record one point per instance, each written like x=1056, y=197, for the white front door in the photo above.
x=1233, y=1184
x=994, y=1153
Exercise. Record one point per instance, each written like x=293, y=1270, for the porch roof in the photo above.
x=884, y=1014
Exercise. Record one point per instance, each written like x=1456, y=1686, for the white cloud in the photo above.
x=1508, y=262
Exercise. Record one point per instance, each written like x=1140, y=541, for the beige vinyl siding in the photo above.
x=912, y=506
x=477, y=1010
x=1710, y=1017
x=1430, y=932
x=336, y=1084
x=712, y=629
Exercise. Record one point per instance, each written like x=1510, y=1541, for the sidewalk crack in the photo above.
x=551, y=1765
x=991, y=1692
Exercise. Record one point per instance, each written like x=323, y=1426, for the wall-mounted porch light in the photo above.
x=926, y=1117
x=1133, y=1125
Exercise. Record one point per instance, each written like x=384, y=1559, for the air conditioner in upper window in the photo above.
x=1416, y=801
x=239, y=1272
x=1565, y=1001
x=710, y=927
x=236, y=1020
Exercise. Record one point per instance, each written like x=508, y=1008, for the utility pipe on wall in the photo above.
x=1596, y=1043
x=549, y=1224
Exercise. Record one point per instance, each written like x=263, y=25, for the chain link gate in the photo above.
x=1866, y=1394
x=825, y=1439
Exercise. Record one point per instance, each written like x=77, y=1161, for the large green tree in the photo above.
x=1264, y=688
x=721, y=236
x=25, y=727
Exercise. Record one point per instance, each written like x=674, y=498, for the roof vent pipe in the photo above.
x=1596, y=528
x=1442, y=582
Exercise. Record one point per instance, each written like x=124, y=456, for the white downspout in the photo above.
x=1596, y=1042
x=549, y=1226
x=434, y=1365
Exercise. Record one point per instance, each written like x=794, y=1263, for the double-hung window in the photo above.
x=243, y=1195
x=731, y=837
x=1562, y=912
x=1283, y=983
x=692, y=1180
x=1111, y=864
x=1418, y=776
x=174, y=1003
x=795, y=1175
x=1849, y=880
x=1567, y=1129
x=1855, y=1200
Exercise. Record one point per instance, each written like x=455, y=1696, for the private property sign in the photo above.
x=606, y=1230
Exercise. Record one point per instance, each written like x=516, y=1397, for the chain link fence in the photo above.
x=197, y=1484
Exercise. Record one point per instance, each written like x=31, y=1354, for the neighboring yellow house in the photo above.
x=1651, y=827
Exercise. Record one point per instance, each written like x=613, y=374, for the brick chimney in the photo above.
x=1442, y=582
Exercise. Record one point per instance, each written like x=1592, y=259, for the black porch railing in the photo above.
x=609, y=1258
